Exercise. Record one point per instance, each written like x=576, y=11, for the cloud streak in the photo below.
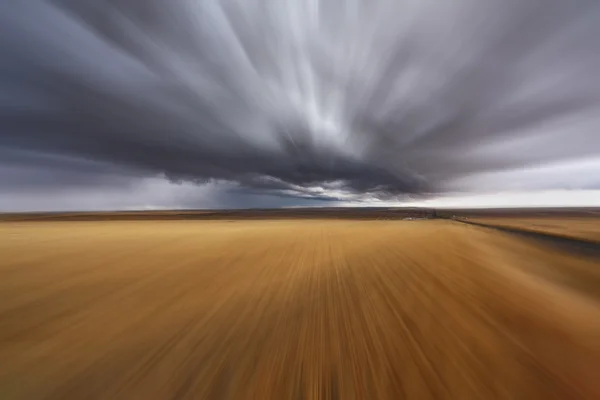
x=338, y=100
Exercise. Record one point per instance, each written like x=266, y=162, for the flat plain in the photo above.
x=578, y=228
x=292, y=308
x=580, y=223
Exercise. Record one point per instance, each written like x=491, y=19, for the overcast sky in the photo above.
x=259, y=103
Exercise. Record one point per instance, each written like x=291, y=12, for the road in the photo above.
x=293, y=310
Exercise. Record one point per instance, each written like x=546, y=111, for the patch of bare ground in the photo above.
x=587, y=228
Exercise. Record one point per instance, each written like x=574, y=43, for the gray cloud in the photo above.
x=308, y=100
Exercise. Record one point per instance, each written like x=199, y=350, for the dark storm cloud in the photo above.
x=313, y=99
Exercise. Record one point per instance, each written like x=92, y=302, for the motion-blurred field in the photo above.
x=292, y=309
x=577, y=223
x=579, y=228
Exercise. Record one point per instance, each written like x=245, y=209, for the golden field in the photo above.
x=293, y=309
x=579, y=228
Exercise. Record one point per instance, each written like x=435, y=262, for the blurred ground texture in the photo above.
x=293, y=309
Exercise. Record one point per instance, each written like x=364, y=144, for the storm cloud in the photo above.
x=297, y=101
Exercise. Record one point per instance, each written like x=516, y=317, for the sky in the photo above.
x=153, y=104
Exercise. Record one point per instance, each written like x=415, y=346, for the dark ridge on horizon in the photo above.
x=308, y=213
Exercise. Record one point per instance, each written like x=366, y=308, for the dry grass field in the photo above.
x=292, y=309
x=579, y=228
